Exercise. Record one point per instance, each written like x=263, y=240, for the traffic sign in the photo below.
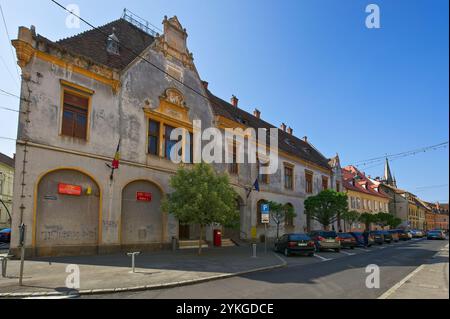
x=265, y=214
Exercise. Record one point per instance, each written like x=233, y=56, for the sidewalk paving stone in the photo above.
x=107, y=273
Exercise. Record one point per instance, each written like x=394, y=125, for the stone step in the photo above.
x=227, y=243
x=191, y=244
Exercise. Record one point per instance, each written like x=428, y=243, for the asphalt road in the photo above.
x=327, y=275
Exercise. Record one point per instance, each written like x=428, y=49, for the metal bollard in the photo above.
x=133, y=265
x=4, y=265
x=174, y=244
x=254, y=250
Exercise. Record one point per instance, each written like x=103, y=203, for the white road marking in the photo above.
x=388, y=293
x=323, y=258
x=363, y=249
x=54, y=297
x=347, y=253
x=281, y=258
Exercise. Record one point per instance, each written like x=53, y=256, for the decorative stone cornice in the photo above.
x=28, y=46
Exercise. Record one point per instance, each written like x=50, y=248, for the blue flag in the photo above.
x=254, y=187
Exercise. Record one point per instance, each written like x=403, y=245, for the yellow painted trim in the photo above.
x=121, y=197
x=160, y=117
x=76, y=87
x=114, y=84
x=72, y=89
x=36, y=187
x=292, y=167
x=164, y=121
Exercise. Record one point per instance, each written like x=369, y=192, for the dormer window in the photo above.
x=112, y=44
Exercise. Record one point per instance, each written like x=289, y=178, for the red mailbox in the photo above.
x=217, y=238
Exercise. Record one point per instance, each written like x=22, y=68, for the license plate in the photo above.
x=302, y=245
x=330, y=241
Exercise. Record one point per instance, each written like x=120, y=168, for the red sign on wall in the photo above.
x=66, y=189
x=144, y=197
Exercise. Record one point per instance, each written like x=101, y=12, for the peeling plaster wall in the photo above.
x=112, y=116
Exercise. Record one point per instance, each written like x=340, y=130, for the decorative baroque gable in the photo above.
x=173, y=43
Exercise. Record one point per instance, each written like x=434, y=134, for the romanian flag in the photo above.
x=116, y=161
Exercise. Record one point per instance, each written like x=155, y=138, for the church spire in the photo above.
x=388, y=175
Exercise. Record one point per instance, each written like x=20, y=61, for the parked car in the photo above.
x=387, y=236
x=5, y=235
x=416, y=233
x=402, y=234
x=325, y=240
x=300, y=244
x=347, y=240
x=395, y=236
x=360, y=239
x=378, y=237
x=436, y=234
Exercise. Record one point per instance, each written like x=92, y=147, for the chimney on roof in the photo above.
x=305, y=138
x=234, y=101
x=290, y=131
x=283, y=127
x=257, y=113
x=205, y=84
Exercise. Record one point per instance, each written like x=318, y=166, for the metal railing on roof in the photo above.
x=141, y=23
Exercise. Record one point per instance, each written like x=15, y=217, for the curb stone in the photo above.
x=142, y=288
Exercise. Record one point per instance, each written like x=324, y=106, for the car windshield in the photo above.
x=434, y=232
x=377, y=232
x=328, y=234
x=7, y=230
x=345, y=235
x=357, y=234
x=298, y=237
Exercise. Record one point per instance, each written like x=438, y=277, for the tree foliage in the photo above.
x=202, y=197
x=386, y=219
x=367, y=219
x=280, y=213
x=350, y=217
x=326, y=207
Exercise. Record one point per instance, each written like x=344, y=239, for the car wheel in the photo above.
x=311, y=255
x=286, y=252
x=353, y=247
x=337, y=250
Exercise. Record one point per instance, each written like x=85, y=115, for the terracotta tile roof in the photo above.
x=5, y=159
x=286, y=142
x=92, y=44
x=355, y=180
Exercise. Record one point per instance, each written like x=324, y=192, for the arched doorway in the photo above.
x=67, y=214
x=142, y=217
x=289, y=221
x=237, y=232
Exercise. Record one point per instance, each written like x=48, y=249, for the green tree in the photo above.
x=394, y=222
x=386, y=219
x=367, y=219
x=350, y=217
x=326, y=207
x=202, y=197
x=280, y=213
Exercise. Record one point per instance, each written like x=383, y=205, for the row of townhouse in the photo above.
x=364, y=196
x=83, y=96
x=413, y=211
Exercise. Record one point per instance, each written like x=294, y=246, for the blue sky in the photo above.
x=311, y=64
